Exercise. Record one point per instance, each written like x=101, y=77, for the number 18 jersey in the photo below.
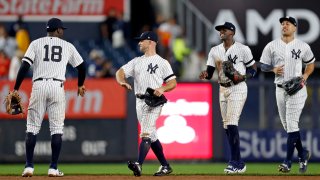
x=50, y=56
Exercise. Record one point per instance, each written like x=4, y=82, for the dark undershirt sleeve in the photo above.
x=210, y=71
x=24, y=68
x=81, y=74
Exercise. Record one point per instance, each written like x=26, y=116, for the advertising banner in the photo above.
x=270, y=145
x=185, y=124
x=73, y=10
x=257, y=22
x=87, y=140
x=104, y=99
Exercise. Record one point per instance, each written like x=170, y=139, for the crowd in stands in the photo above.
x=115, y=48
x=13, y=44
x=186, y=62
x=99, y=66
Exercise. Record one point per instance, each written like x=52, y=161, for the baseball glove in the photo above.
x=13, y=103
x=231, y=72
x=152, y=100
x=293, y=85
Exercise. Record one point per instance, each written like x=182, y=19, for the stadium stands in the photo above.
x=118, y=56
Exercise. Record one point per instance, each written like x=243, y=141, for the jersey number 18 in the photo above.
x=55, y=53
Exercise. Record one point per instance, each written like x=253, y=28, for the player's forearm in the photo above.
x=308, y=70
x=170, y=85
x=24, y=68
x=120, y=76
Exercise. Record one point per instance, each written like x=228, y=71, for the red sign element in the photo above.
x=75, y=10
x=104, y=99
x=58, y=7
x=185, y=125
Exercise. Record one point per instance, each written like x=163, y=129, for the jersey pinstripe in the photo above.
x=291, y=55
x=49, y=57
x=232, y=99
x=238, y=53
x=151, y=71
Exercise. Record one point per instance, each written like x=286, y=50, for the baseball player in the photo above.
x=49, y=57
x=284, y=57
x=233, y=93
x=148, y=70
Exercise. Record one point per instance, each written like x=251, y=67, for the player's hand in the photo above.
x=158, y=92
x=278, y=70
x=203, y=75
x=126, y=85
x=239, y=78
x=81, y=91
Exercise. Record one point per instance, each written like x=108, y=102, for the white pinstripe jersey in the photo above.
x=49, y=57
x=238, y=53
x=150, y=71
x=291, y=55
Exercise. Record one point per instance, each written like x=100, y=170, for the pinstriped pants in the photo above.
x=232, y=100
x=290, y=108
x=147, y=117
x=46, y=96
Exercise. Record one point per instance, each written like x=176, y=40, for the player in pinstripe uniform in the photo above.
x=49, y=57
x=148, y=70
x=284, y=57
x=232, y=95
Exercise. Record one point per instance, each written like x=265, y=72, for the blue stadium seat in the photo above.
x=118, y=56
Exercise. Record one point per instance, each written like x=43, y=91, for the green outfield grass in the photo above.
x=150, y=168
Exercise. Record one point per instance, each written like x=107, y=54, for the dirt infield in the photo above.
x=86, y=177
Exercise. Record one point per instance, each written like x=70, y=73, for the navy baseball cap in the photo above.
x=53, y=24
x=290, y=19
x=148, y=35
x=226, y=25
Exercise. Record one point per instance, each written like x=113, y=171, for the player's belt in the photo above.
x=279, y=85
x=140, y=96
x=228, y=84
x=41, y=79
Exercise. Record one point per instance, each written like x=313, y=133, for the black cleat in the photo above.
x=303, y=162
x=284, y=168
x=235, y=167
x=163, y=171
x=135, y=167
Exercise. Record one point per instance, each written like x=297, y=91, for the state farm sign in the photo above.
x=185, y=125
x=51, y=7
x=104, y=99
x=68, y=10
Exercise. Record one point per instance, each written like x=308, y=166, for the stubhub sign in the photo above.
x=185, y=125
x=270, y=145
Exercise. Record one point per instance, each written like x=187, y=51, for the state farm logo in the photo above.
x=92, y=102
x=175, y=127
x=185, y=108
x=43, y=7
x=97, y=103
